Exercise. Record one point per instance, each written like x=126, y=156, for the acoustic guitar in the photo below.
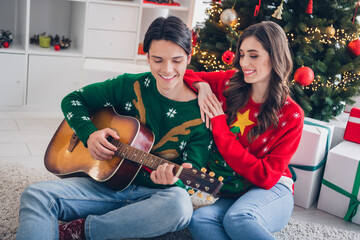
x=66, y=156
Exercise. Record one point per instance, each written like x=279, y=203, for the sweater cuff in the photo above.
x=85, y=133
x=219, y=123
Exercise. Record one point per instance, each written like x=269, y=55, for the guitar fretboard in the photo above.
x=147, y=159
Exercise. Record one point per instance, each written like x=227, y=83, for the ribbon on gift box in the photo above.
x=312, y=168
x=354, y=202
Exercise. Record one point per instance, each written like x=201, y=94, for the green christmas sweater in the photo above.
x=180, y=134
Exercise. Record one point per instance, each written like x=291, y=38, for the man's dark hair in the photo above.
x=171, y=29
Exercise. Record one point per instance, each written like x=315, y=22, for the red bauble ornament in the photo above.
x=354, y=47
x=57, y=47
x=6, y=45
x=304, y=76
x=228, y=57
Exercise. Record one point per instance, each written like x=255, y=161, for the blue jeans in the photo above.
x=136, y=212
x=255, y=215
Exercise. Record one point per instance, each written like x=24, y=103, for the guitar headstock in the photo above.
x=199, y=180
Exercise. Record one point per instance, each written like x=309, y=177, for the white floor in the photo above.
x=26, y=132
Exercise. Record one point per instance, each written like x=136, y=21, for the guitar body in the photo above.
x=118, y=172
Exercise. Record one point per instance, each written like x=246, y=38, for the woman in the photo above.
x=256, y=128
x=152, y=205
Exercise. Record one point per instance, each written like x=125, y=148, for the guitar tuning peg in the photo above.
x=203, y=170
x=209, y=198
x=220, y=178
x=191, y=191
x=212, y=174
x=200, y=195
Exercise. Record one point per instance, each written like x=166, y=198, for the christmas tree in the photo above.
x=323, y=36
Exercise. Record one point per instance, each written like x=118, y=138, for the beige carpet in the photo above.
x=14, y=178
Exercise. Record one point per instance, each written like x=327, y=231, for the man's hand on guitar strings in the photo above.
x=164, y=174
x=99, y=147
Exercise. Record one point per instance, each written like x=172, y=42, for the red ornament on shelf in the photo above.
x=304, y=76
x=353, y=126
x=6, y=45
x=354, y=47
x=228, y=57
x=57, y=47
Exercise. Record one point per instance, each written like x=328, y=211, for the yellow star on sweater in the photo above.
x=242, y=121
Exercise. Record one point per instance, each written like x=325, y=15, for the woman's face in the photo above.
x=168, y=62
x=255, y=61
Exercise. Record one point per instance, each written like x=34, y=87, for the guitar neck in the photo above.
x=147, y=159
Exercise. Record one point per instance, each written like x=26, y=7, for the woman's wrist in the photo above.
x=201, y=86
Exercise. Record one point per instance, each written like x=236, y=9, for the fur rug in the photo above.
x=14, y=178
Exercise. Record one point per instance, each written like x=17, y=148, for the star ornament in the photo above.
x=242, y=121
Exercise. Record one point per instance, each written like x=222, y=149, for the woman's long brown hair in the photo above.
x=273, y=39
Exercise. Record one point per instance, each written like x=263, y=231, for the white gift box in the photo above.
x=340, y=124
x=341, y=181
x=308, y=161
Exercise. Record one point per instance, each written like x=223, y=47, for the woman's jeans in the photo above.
x=255, y=215
x=136, y=212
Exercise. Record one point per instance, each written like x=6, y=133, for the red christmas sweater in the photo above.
x=264, y=162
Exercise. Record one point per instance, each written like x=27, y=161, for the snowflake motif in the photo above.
x=265, y=149
x=281, y=115
x=107, y=104
x=296, y=115
x=283, y=124
x=264, y=140
x=287, y=102
x=185, y=155
x=69, y=115
x=171, y=113
x=226, y=83
x=147, y=82
x=182, y=145
x=128, y=106
x=75, y=235
x=80, y=90
x=256, y=114
x=75, y=103
x=85, y=118
x=210, y=145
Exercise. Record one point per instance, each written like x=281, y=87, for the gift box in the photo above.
x=307, y=164
x=352, y=130
x=339, y=122
x=339, y=194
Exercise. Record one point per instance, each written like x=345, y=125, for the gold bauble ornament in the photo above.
x=330, y=31
x=228, y=17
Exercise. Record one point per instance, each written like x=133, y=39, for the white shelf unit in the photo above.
x=104, y=34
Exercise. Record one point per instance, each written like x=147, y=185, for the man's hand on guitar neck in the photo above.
x=99, y=147
x=164, y=174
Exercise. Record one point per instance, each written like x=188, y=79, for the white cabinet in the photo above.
x=99, y=30
x=51, y=78
x=12, y=80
